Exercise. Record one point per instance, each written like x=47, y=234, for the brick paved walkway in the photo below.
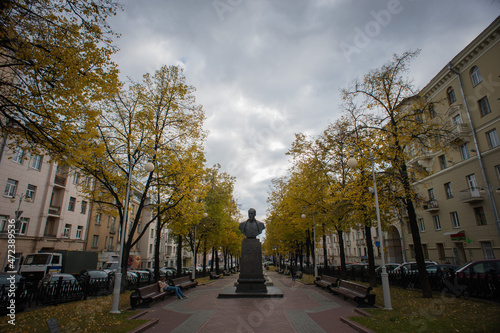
x=303, y=309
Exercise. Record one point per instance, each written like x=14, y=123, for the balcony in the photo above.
x=471, y=195
x=360, y=242
x=54, y=211
x=60, y=180
x=459, y=133
x=431, y=206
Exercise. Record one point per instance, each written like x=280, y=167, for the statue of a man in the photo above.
x=251, y=228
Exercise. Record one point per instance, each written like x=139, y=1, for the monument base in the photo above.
x=251, y=275
x=271, y=292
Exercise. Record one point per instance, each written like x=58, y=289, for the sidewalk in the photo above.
x=303, y=309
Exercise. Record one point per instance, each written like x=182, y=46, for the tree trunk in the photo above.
x=371, y=257
x=343, y=269
x=179, y=255
x=417, y=243
x=325, y=251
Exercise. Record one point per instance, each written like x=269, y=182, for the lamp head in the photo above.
x=352, y=162
x=149, y=167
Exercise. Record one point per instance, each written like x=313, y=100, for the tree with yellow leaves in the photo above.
x=56, y=65
x=385, y=103
x=155, y=121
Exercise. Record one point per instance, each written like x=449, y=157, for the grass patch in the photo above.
x=443, y=313
x=307, y=278
x=91, y=315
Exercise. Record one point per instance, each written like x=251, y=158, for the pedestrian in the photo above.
x=293, y=273
x=165, y=287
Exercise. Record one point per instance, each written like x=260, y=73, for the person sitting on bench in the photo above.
x=165, y=287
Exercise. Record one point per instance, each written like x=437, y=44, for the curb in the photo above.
x=356, y=326
x=144, y=326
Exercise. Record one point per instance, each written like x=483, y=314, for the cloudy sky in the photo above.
x=265, y=70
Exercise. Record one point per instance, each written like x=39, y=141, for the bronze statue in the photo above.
x=251, y=228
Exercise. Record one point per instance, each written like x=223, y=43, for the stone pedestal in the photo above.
x=251, y=275
x=251, y=282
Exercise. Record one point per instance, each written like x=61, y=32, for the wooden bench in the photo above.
x=145, y=295
x=183, y=282
x=359, y=293
x=326, y=281
x=214, y=275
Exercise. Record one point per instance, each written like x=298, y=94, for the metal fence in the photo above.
x=477, y=285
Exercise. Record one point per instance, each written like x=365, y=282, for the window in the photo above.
x=480, y=217
x=421, y=224
x=412, y=251
x=454, y=220
x=79, y=232
x=432, y=111
x=448, y=191
x=484, y=106
x=457, y=119
x=437, y=222
x=10, y=188
x=3, y=223
x=426, y=251
x=110, y=243
x=30, y=192
x=442, y=162
x=150, y=248
x=75, y=178
x=430, y=192
x=98, y=218
x=464, y=151
x=440, y=249
x=487, y=250
x=36, y=162
x=23, y=226
x=152, y=233
x=67, y=230
x=95, y=240
x=72, y=204
x=475, y=76
x=18, y=155
x=451, y=95
x=497, y=168
x=83, y=209
x=492, y=138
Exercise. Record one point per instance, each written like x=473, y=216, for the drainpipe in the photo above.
x=479, y=156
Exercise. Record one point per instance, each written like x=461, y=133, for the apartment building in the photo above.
x=52, y=214
x=459, y=220
x=104, y=233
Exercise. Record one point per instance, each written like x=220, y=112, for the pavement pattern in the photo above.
x=303, y=309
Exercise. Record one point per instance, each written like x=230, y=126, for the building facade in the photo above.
x=44, y=195
x=458, y=220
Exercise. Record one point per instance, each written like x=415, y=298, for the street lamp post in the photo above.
x=314, y=242
x=195, y=249
x=119, y=272
x=385, y=276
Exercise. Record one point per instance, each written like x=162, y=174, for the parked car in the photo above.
x=485, y=266
x=388, y=266
x=479, y=278
x=169, y=271
x=411, y=266
x=143, y=275
x=98, y=282
x=70, y=290
x=21, y=293
x=441, y=270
